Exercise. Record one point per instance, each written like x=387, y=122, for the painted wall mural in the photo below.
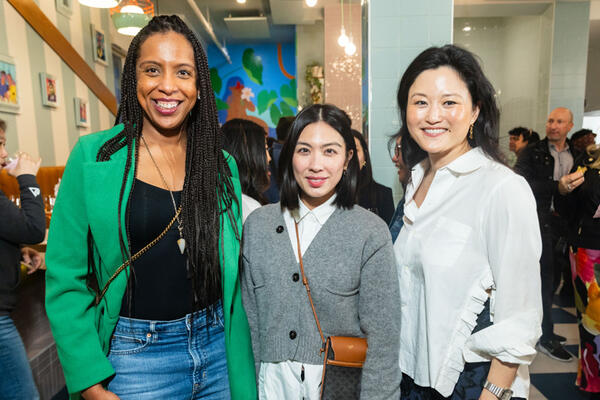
x=259, y=84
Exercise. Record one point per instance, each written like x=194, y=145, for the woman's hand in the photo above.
x=569, y=182
x=26, y=165
x=97, y=392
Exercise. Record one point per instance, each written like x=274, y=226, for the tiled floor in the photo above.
x=552, y=379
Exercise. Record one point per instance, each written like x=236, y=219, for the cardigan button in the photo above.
x=279, y=229
x=293, y=335
x=296, y=277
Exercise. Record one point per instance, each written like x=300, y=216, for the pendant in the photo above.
x=181, y=244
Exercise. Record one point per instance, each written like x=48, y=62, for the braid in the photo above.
x=207, y=187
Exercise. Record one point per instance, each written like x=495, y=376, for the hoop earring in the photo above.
x=471, y=132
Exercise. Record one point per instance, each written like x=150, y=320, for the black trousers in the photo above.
x=554, y=231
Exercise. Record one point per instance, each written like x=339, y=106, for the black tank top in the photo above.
x=159, y=287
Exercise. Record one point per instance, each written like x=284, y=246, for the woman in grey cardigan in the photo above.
x=348, y=261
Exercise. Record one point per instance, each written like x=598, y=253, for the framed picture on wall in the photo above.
x=99, y=45
x=9, y=100
x=49, y=90
x=82, y=112
x=65, y=7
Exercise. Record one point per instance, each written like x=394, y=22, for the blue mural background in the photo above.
x=258, y=85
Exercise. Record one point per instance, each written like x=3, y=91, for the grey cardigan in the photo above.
x=351, y=271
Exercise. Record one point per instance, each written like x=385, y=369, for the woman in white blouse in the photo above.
x=468, y=254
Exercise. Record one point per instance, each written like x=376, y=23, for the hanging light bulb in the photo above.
x=350, y=48
x=99, y=3
x=241, y=1
x=343, y=39
x=311, y=3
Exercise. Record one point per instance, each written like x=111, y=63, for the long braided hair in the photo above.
x=208, y=191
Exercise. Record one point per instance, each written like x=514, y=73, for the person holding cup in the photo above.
x=19, y=225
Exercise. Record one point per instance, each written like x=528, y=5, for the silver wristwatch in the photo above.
x=500, y=393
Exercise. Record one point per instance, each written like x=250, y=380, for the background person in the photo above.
x=371, y=195
x=582, y=209
x=283, y=126
x=25, y=225
x=520, y=137
x=465, y=253
x=546, y=165
x=582, y=139
x=172, y=325
x=245, y=141
x=403, y=176
x=348, y=262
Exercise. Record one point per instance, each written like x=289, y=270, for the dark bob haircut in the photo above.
x=245, y=141
x=338, y=120
x=485, y=129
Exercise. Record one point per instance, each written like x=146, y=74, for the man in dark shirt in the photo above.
x=17, y=226
x=546, y=166
x=520, y=137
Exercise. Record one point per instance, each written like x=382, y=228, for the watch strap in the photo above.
x=500, y=392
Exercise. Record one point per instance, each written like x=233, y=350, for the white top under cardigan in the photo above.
x=283, y=380
x=477, y=229
x=248, y=205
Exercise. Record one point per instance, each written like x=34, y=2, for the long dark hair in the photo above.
x=485, y=129
x=366, y=173
x=208, y=191
x=338, y=120
x=245, y=141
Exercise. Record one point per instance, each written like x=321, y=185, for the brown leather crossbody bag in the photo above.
x=344, y=356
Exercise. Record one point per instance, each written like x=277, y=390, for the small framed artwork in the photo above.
x=49, y=90
x=82, y=112
x=9, y=89
x=65, y=7
x=99, y=45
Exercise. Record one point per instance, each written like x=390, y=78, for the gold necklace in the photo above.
x=181, y=240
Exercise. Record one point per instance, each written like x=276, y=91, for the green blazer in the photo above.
x=88, y=199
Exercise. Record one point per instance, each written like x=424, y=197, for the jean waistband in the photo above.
x=195, y=320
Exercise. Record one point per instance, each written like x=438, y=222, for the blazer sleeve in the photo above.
x=379, y=314
x=73, y=319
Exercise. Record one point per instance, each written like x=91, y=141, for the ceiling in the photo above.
x=244, y=20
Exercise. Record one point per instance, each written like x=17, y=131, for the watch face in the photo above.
x=506, y=394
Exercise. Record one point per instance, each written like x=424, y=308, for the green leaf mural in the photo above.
x=275, y=114
x=215, y=80
x=253, y=66
x=265, y=99
x=288, y=93
x=221, y=105
x=286, y=110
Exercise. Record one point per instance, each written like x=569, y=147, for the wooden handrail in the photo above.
x=55, y=39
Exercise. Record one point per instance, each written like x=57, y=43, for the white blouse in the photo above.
x=248, y=205
x=291, y=379
x=476, y=232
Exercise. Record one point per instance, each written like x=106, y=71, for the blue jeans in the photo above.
x=179, y=359
x=16, y=380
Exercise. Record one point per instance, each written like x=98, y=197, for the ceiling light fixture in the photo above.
x=466, y=28
x=342, y=39
x=311, y=3
x=99, y=3
x=241, y=1
x=131, y=16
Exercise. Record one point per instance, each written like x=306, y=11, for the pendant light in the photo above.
x=350, y=48
x=131, y=16
x=311, y=3
x=99, y=3
x=342, y=39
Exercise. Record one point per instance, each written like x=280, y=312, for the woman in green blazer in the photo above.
x=142, y=287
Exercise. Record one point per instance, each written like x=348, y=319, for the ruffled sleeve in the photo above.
x=511, y=233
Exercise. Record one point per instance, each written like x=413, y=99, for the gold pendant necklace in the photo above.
x=181, y=240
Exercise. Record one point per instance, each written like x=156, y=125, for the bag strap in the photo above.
x=305, y=283
x=136, y=256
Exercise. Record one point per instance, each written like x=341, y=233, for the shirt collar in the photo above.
x=552, y=147
x=471, y=161
x=321, y=213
